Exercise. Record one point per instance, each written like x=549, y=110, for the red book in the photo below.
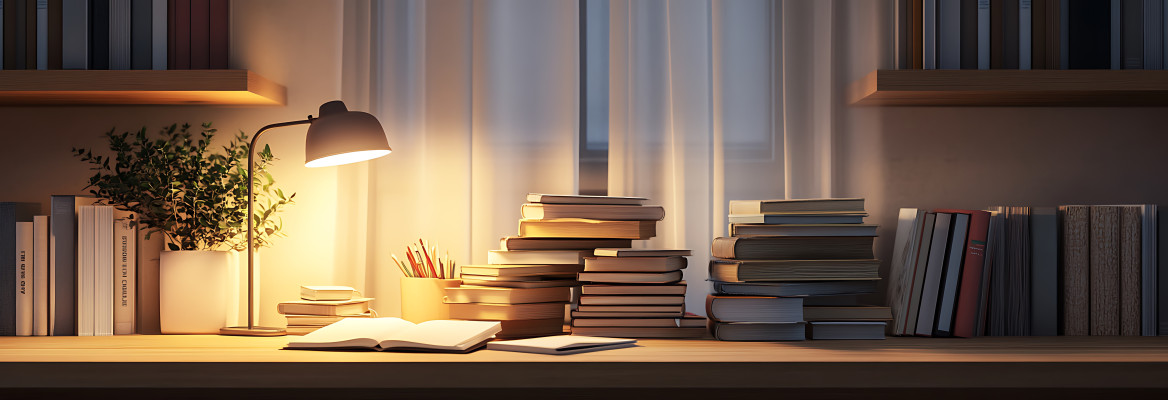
x=218, y=34
x=181, y=12
x=200, y=34
x=967, y=294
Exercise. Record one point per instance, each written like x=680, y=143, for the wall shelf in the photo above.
x=169, y=87
x=991, y=88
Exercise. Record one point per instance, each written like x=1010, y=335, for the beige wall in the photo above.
x=295, y=43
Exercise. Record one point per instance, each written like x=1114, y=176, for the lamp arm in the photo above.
x=250, y=204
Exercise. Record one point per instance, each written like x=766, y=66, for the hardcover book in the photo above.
x=398, y=334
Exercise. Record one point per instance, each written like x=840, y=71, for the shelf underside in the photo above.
x=142, y=87
x=991, y=88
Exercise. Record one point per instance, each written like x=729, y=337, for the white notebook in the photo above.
x=399, y=334
x=565, y=344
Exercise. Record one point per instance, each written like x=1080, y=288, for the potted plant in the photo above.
x=195, y=196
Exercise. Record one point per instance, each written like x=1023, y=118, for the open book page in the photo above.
x=353, y=332
x=443, y=335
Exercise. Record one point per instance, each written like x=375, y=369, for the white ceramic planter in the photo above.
x=193, y=287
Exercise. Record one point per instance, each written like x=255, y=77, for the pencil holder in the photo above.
x=423, y=299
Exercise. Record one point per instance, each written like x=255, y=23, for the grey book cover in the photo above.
x=158, y=53
x=1153, y=34
x=951, y=278
x=1025, y=23
x=1010, y=24
x=933, y=272
x=42, y=34
x=74, y=34
x=119, y=34
x=983, y=34
x=1116, y=34
x=10, y=214
x=929, y=33
x=62, y=265
x=949, y=34
x=140, y=34
x=1044, y=257
x=1132, y=35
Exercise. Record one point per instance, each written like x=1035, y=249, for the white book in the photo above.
x=103, y=324
x=158, y=34
x=85, y=270
x=125, y=250
x=396, y=333
x=930, y=34
x=983, y=34
x=24, y=284
x=1025, y=23
x=75, y=34
x=533, y=257
x=42, y=34
x=40, y=275
x=561, y=345
x=932, y=276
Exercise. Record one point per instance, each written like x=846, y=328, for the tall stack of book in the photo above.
x=320, y=306
x=635, y=293
x=783, y=254
x=528, y=283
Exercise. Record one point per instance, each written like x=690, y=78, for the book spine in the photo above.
x=969, y=34
x=119, y=34
x=1038, y=34
x=62, y=265
x=11, y=53
x=125, y=269
x=159, y=37
x=997, y=32
x=99, y=25
x=1064, y=41
x=1129, y=271
x=42, y=34
x=1076, y=233
x=1132, y=34
x=1153, y=34
x=146, y=293
x=40, y=275
x=929, y=49
x=1149, y=319
x=8, y=269
x=219, y=34
x=75, y=34
x=955, y=253
x=1161, y=257
x=902, y=26
x=1025, y=26
x=916, y=34
x=54, y=34
x=200, y=34
x=1053, y=26
x=1089, y=31
x=103, y=251
x=935, y=269
x=971, y=275
x=1104, y=271
x=1116, y=48
x=141, y=45
x=181, y=18
x=85, y=271
x=1010, y=33
x=1044, y=272
x=23, y=279
x=949, y=34
x=983, y=34
x=2, y=34
x=30, y=34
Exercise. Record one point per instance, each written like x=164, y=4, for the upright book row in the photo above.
x=1031, y=34
x=73, y=272
x=114, y=34
x=1027, y=271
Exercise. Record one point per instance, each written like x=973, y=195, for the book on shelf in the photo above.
x=200, y=34
x=522, y=270
x=584, y=199
x=24, y=281
x=641, y=332
x=1129, y=271
x=490, y=311
x=11, y=215
x=319, y=320
x=964, y=314
x=398, y=334
x=846, y=313
x=795, y=289
x=149, y=251
x=804, y=219
x=675, y=310
x=592, y=211
x=950, y=276
x=793, y=248
x=1076, y=221
x=504, y=295
x=119, y=34
x=630, y=277
x=758, y=331
x=1104, y=270
x=754, y=308
x=141, y=19
x=536, y=257
x=159, y=34
x=521, y=243
x=1044, y=274
x=802, y=230
x=932, y=274
x=40, y=275
x=846, y=330
x=634, y=264
x=75, y=34
x=797, y=206
x=561, y=345
x=125, y=242
x=546, y=283
x=793, y=270
x=677, y=288
x=322, y=307
x=587, y=228
x=630, y=300
x=328, y=293
x=521, y=278
x=623, y=252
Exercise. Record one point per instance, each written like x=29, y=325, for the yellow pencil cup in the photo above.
x=423, y=299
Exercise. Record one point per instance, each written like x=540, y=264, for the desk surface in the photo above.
x=244, y=362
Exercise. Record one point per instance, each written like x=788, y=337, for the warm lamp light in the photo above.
x=337, y=137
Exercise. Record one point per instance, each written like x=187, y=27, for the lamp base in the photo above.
x=253, y=331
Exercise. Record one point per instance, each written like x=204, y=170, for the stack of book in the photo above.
x=635, y=293
x=783, y=254
x=528, y=282
x=320, y=306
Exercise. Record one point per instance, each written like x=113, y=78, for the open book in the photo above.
x=399, y=334
x=566, y=344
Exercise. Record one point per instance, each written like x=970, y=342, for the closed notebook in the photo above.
x=560, y=345
x=328, y=293
x=399, y=334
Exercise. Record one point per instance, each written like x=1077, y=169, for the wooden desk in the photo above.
x=197, y=366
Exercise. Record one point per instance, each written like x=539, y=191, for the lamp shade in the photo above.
x=341, y=136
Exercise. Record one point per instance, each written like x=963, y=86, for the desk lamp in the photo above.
x=337, y=137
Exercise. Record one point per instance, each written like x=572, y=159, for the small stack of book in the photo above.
x=323, y=305
x=528, y=282
x=784, y=254
x=635, y=293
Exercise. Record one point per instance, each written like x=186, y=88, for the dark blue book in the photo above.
x=10, y=214
x=1089, y=34
x=99, y=34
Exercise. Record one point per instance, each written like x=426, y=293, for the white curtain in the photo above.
x=479, y=100
x=711, y=101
